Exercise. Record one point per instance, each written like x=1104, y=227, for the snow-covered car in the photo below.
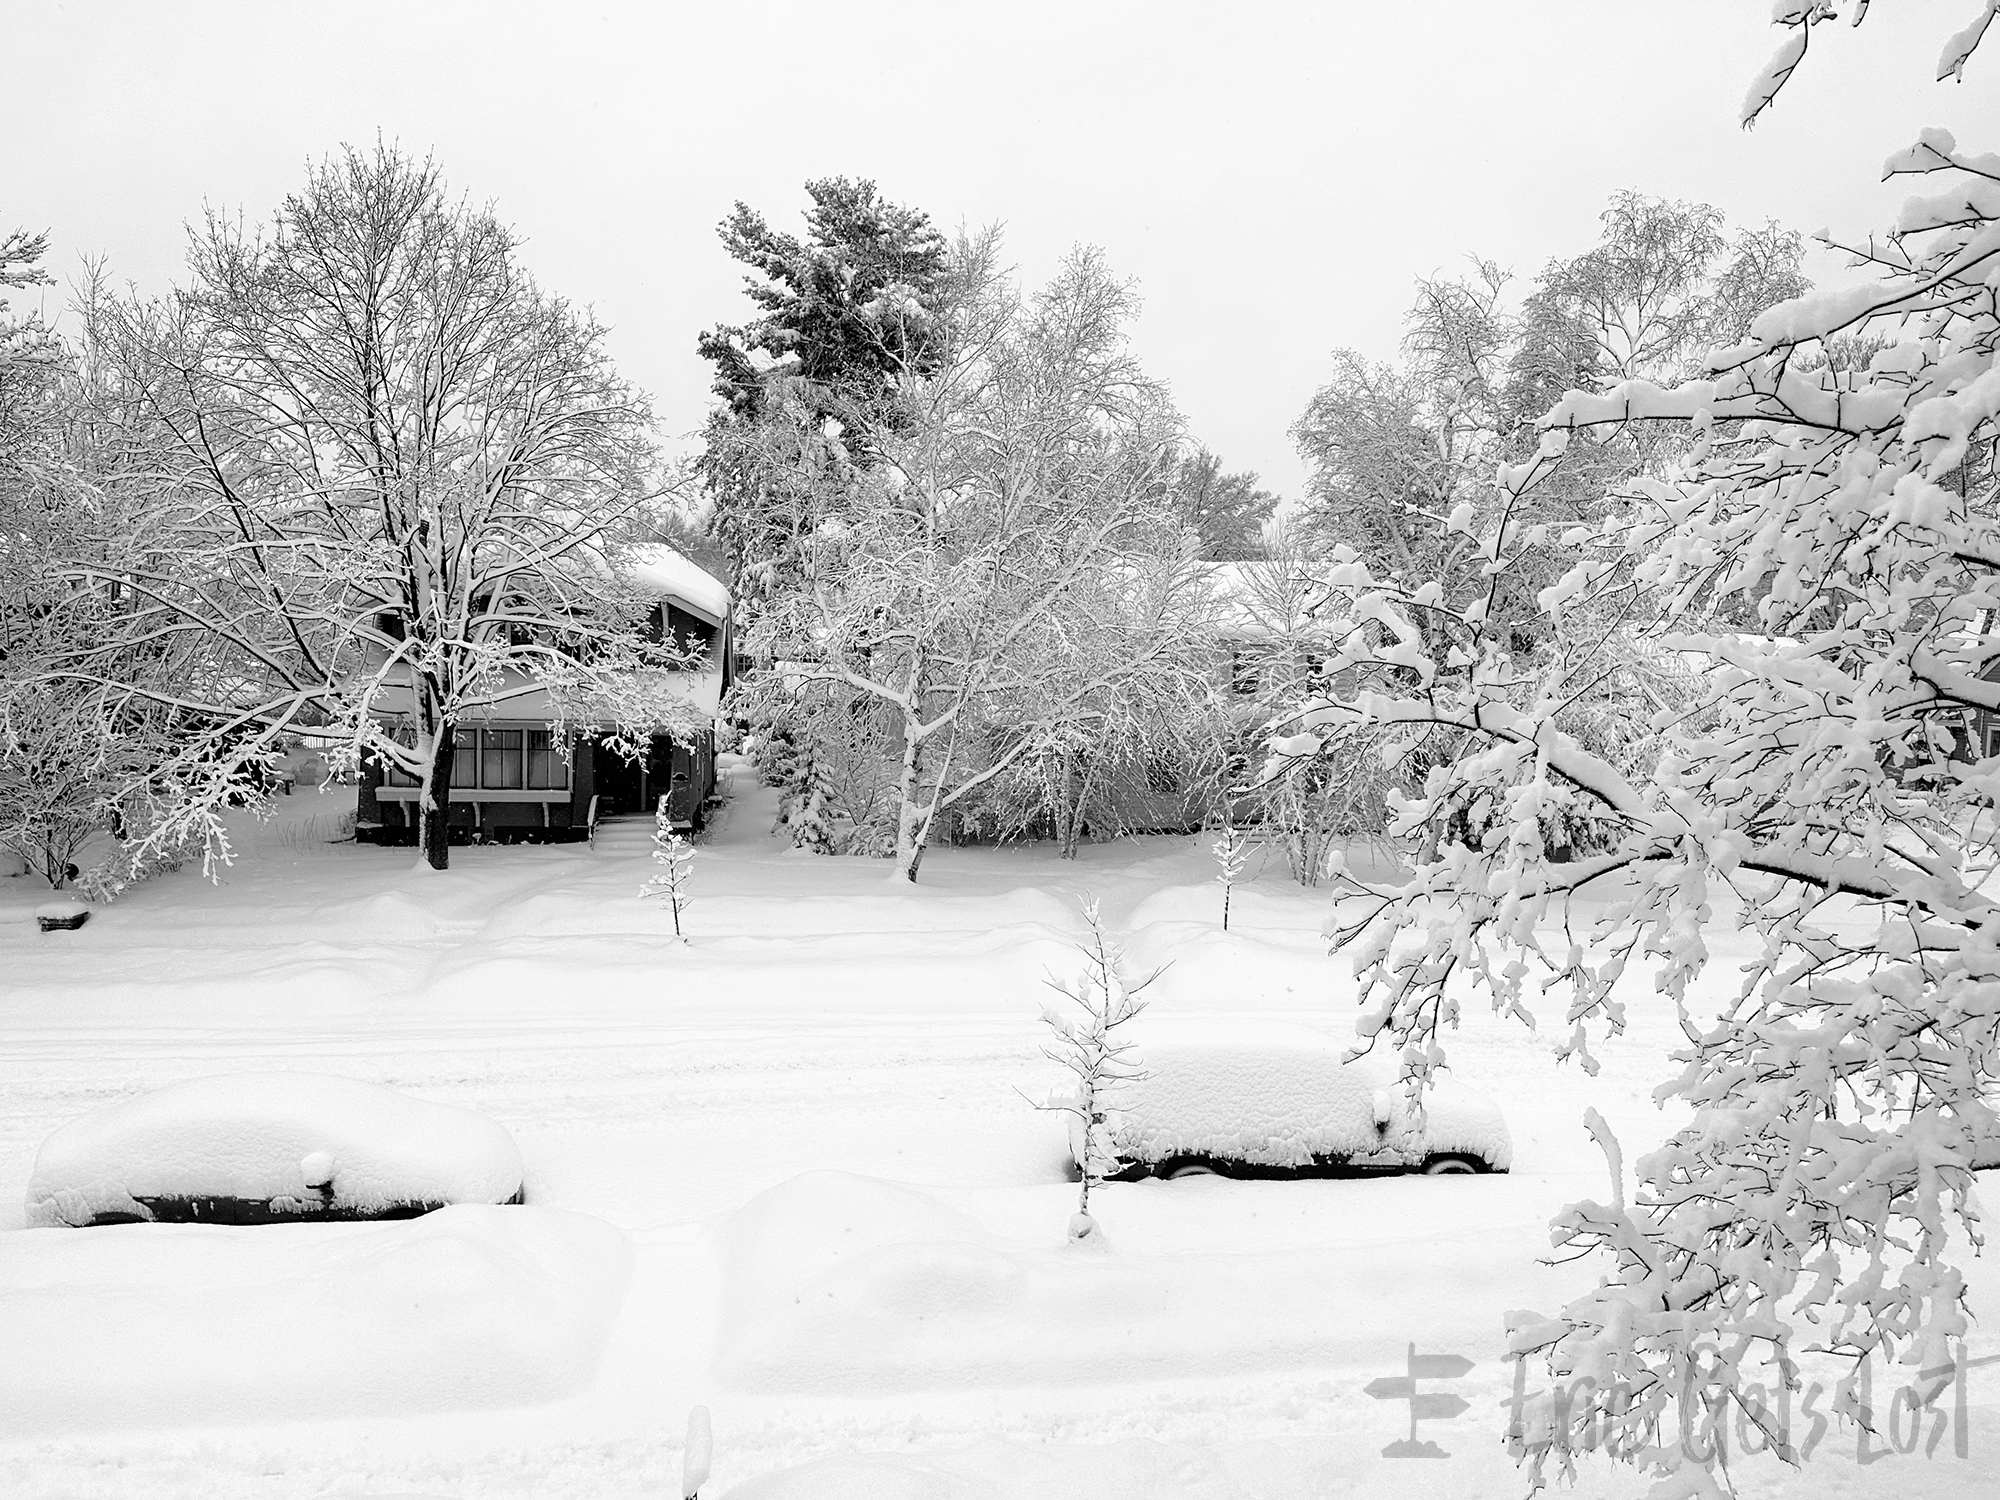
x=265, y=1148
x=1266, y=1099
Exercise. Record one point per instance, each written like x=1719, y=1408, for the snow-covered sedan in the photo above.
x=263, y=1148
x=1265, y=1099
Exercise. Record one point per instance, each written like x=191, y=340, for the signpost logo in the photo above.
x=1425, y=1406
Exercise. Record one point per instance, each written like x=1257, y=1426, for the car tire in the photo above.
x=1451, y=1164
x=1174, y=1171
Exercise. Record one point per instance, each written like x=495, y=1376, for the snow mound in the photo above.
x=270, y=1145
x=1274, y=1095
x=470, y=1307
x=788, y=1236
x=834, y=1283
x=389, y=916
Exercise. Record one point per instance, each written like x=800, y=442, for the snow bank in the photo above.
x=1275, y=1095
x=472, y=1306
x=295, y=1143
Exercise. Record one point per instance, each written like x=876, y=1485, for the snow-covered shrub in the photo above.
x=821, y=749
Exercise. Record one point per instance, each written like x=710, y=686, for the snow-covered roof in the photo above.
x=677, y=577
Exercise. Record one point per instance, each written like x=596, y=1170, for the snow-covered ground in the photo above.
x=786, y=1170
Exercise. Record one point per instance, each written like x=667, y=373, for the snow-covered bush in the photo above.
x=823, y=749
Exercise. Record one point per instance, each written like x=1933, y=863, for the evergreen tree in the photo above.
x=846, y=320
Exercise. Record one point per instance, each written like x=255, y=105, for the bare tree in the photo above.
x=369, y=481
x=1232, y=852
x=1088, y=1040
x=675, y=857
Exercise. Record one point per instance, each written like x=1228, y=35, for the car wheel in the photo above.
x=1452, y=1166
x=1182, y=1169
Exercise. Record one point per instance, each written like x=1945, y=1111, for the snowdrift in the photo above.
x=472, y=1306
x=837, y=1283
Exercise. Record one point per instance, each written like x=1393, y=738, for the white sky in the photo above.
x=1274, y=176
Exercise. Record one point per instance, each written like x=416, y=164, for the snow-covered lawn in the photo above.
x=833, y=1217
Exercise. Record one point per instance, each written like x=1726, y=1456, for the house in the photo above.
x=513, y=782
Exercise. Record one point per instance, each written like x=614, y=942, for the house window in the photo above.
x=545, y=762
x=465, y=757
x=1244, y=670
x=500, y=758
x=393, y=774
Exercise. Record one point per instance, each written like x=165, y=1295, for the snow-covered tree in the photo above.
x=1829, y=549
x=1088, y=1039
x=1231, y=848
x=844, y=320
x=675, y=857
x=1128, y=733
x=1225, y=511
x=360, y=481
x=63, y=767
x=1011, y=574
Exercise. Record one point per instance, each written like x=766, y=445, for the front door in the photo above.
x=620, y=784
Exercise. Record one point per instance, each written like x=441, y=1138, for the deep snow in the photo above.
x=836, y=1220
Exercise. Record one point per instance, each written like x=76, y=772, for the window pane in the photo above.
x=393, y=774
x=464, y=757
x=501, y=762
x=545, y=762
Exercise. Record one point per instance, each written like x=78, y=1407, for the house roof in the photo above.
x=678, y=578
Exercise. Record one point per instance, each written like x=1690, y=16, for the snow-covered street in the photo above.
x=838, y=1220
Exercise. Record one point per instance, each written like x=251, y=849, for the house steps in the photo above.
x=625, y=834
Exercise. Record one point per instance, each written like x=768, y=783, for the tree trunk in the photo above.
x=434, y=804
x=911, y=826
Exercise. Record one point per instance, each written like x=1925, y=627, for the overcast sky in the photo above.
x=1274, y=176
